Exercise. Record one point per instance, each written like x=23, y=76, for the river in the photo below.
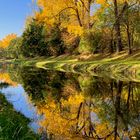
x=47, y=104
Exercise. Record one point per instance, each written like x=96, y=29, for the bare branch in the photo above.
x=84, y=5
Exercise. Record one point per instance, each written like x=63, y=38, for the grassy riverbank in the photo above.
x=13, y=125
x=120, y=66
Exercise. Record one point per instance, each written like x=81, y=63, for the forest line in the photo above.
x=76, y=27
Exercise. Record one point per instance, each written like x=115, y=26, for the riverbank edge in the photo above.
x=119, y=66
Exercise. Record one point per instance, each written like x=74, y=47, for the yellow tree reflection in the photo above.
x=4, y=77
x=72, y=118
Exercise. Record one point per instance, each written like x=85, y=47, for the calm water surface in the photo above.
x=41, y=104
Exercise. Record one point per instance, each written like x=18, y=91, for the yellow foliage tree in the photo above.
x=72, y=14
x=6, y=41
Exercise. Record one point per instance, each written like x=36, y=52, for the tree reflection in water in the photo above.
x=82, y=106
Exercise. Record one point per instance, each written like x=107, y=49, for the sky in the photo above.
x=12, y=16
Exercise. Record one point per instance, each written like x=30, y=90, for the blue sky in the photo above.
x=12, y=16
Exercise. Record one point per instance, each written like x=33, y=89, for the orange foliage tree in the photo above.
x=4, y=43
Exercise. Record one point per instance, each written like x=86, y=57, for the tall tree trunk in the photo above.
x=128, y=30
x=132, y=38
x=117, y=27
x=111, y=43
x=129, y=37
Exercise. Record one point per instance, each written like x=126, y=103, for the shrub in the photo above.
x=89, y=42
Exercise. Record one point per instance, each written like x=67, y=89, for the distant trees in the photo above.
x=4, y=43
x=13, y=50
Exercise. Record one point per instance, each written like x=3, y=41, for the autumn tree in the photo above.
x=131, y=23
x=73, y=15
x=6, y=41
x=77, y=12
x=78, y=17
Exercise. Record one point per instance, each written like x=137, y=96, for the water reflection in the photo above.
x=19, y=99
x=98, y=110
x=13, y=125
x=76, y=106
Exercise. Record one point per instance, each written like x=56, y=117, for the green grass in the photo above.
x=13, y=125
x=121, y=67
